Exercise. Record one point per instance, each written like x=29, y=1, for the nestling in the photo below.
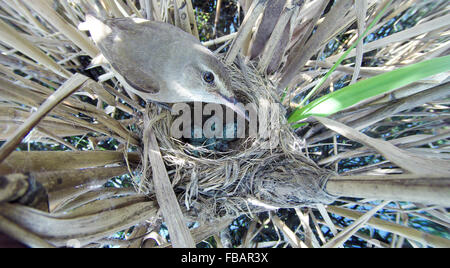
x=160, y=62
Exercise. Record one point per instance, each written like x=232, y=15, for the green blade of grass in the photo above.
x=362, y=90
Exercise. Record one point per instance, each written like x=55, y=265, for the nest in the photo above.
x=252, y=174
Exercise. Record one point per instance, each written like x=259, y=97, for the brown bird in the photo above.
x=160, y=62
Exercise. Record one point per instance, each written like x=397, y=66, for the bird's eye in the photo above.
x=208, y=77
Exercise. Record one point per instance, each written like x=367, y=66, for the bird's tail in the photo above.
x=97, y=27
x=98, y=30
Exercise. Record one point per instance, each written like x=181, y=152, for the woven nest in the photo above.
x=251, y=174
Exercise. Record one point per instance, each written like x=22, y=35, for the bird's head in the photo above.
x=204, y=76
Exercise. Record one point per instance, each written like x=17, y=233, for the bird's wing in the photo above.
x=139, y=80
x=118, y=40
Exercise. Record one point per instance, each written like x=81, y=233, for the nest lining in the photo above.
x=252, y=177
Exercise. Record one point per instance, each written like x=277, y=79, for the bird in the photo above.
x=162, y=63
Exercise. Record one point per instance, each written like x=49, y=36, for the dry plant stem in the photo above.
x=263, y=176
x=40, y=133
x=249, y=235
x=182, y=19
x=413, y=188
x=179, y=233
x=32, y=85
x=219, y=40
x=410, y=233
x=19, y=94
x=104, y=205
x=297, y=44
x=57, y=180
x=216, y=189
x=63, y=92
x=22, y=235
x=27, y=14
x=216, y=19
x=323, y=212
x=113, y=8
x=134, y=9
x=192, y=19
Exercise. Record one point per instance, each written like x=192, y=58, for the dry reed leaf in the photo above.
x=92, y=195
x=63, y=92
x=245, y=30
x=324, y=30
x=22, y=235
x=310, y=238
x=441, y=22
x=22, y=9
x=251, y=233
x=277, y=37
x=293, y=239
x=408, y=141
x=17, y=41
x=245, y=5
x=345, y=234
x=182, y=18
x=205, y=231
x=370, y=240
x=361, y=9
x=266, y=28
x=60, y=185
x=100, y=221
x=179, y=233
x=407, y=232
x=406, y=160
x=391, y=109
x=323, y=212
x=59, y=23
x=37, y=161
x=192, y=19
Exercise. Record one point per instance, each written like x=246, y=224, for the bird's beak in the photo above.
x=235, y=106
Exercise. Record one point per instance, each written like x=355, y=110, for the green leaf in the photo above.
x=362, y=90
